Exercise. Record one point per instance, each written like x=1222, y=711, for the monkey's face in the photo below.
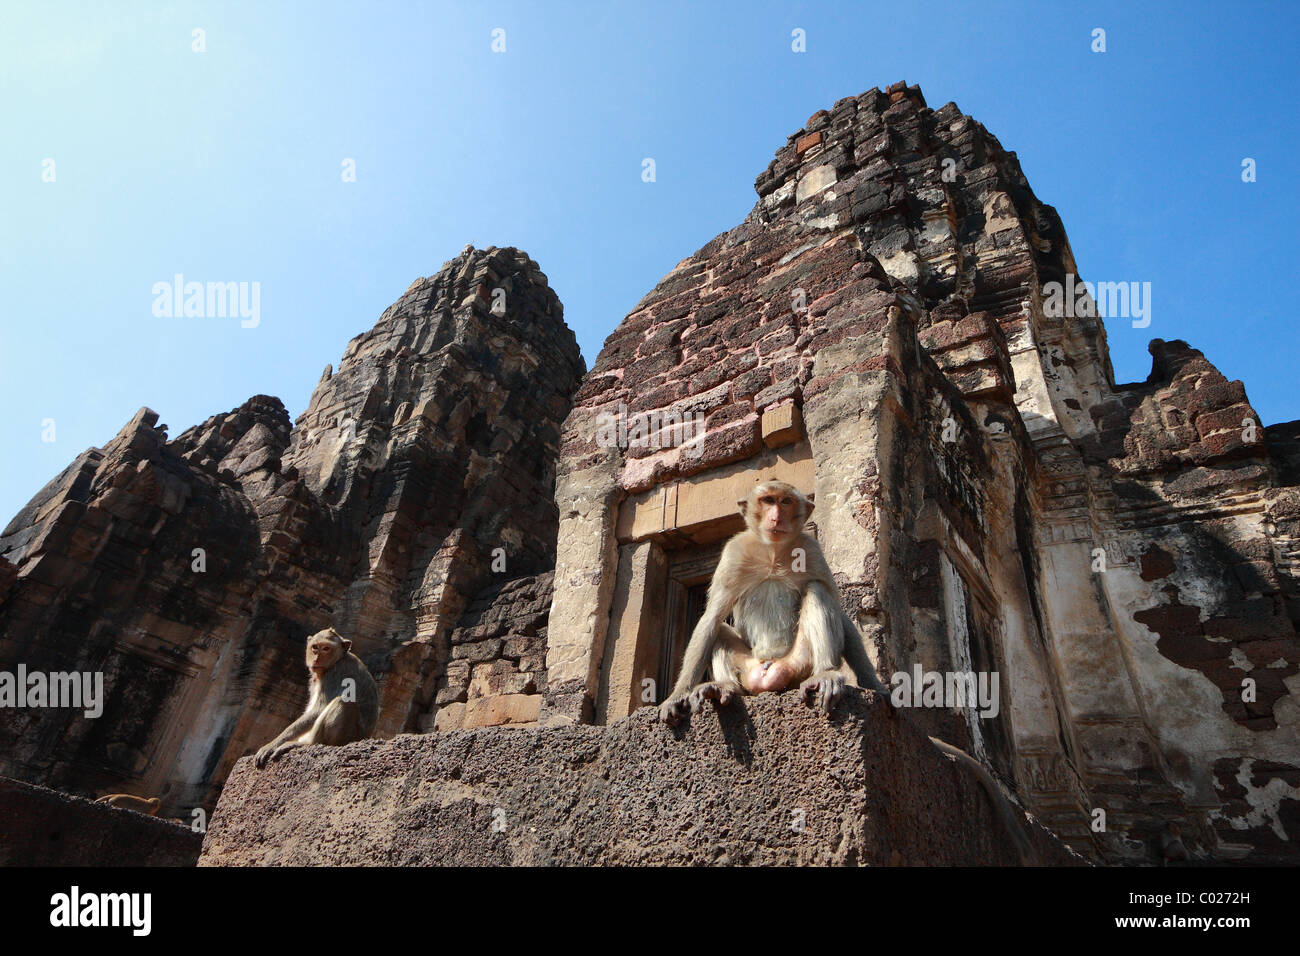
x=778, y=512
x=324, y=651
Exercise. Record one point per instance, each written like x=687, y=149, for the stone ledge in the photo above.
x=726, y=789
x=45, y=827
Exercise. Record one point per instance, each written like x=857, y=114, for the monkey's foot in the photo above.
x=719, y=691
x=822, y=690
x=674, y=709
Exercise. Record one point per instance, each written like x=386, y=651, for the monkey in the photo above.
x=126, y=801
x=774, y=582
x=343, y=705
x=1171, y=844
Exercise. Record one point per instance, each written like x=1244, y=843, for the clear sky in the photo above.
x=226, y=165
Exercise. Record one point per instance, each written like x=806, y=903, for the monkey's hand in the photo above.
x=284, y=748
x=263, y=755
x=822, y=690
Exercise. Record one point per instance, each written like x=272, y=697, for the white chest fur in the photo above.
x=766, y=616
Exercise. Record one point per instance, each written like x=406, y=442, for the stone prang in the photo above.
x=190, y=571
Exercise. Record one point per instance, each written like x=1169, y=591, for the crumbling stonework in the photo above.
x=497, y=671
x=190, y=571
x=881, y=331
x=768, y=782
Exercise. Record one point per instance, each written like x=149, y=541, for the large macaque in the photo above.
x=344, y=702
x=773, y=581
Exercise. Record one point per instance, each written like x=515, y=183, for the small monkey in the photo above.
x=774, y=582
x=126, y=801
x=343, y=705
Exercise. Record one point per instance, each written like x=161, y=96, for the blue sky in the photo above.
x=226, y=165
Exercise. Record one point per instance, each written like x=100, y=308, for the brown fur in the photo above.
x=126, y=801
x=329, y=718
x=773, y=580
x=774, y=644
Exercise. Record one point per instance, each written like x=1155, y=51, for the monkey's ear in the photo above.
x=742, y=504
x=347, y=646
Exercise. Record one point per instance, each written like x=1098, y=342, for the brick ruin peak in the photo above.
x=877, y=332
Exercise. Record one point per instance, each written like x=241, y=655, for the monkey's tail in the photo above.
x=1012, y=821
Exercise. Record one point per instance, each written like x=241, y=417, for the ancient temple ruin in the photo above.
x=882, y=331
x=879, y=332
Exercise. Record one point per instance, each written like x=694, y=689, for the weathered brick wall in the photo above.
x=1205, y=521
x=754, y=791
x=497, y=671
